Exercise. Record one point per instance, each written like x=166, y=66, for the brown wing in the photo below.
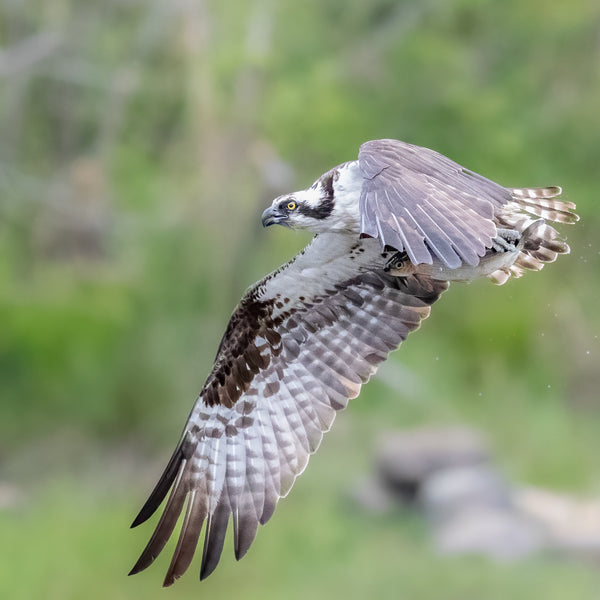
x=418, y=201
x=283, y=370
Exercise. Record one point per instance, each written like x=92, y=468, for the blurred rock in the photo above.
x=449, y=475
x=371, y=496
x=451, y=491
x=498, y=533
x=471, y=511
x=571, y=525
x=404, y=460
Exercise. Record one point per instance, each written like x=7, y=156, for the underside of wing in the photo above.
x=418, y=201
x=287, y=363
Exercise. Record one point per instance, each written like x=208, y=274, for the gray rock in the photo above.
x=448, y=474
x=453, y=490
x=404, y=460
x=498, y=533
x=571, y=524
x=370, y=495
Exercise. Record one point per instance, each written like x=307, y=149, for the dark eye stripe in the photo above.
x=322, y=211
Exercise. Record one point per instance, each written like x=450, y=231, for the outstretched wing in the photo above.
x=418, y=201
x=299, y=345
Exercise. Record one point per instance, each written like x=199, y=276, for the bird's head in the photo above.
x=320, y=208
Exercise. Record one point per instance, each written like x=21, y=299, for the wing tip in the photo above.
x=143, y=562
x=214, y=538
x=243, y=537
x=207, y=567
x=170, y=580
x=134, y=570
x=141, y=518
x=188, y=538
x=162, y=487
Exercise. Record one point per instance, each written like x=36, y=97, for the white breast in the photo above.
x=327, y=260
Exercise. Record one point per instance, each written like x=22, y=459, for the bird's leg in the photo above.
x=506, y=240
x=399, y=265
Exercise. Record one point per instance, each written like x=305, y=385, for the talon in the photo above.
x=506, y=240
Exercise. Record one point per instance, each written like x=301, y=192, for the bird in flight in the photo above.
x=393, y=228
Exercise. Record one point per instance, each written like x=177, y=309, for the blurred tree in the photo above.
x=135, y=138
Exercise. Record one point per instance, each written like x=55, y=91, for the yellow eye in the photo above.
x=291, y=205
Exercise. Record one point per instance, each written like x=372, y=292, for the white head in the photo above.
x=324, y=207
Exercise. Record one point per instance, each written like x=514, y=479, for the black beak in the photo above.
x=272, y=217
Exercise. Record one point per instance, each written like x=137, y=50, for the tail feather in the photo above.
x=540, y=244
x=543, y=202
x=537, y=192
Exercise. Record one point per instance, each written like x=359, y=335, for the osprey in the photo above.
x=392, y=229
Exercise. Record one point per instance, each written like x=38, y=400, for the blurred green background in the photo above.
x=139, y=143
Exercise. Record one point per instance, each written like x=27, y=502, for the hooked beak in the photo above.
x=272, y=217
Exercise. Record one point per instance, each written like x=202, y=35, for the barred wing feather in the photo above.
x=288, y=361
